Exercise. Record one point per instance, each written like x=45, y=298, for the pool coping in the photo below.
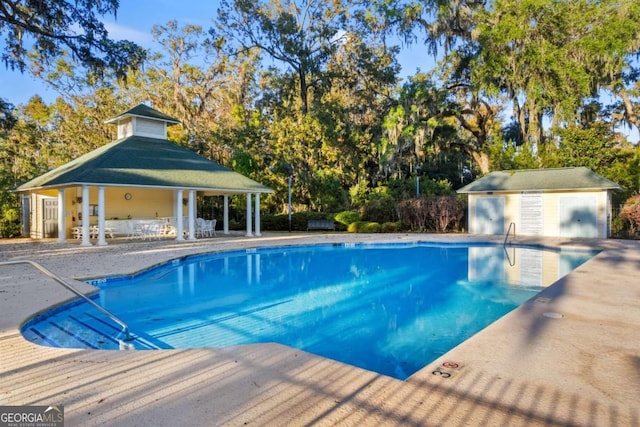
x=529, y=367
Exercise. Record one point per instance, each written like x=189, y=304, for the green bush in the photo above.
x=235, y=225
x=270, y=222
x=274, y=222
x=619, y=227
x=380, y=208
x=363, y=227
x=391, y=227
x=10, y=223
x=347, y=217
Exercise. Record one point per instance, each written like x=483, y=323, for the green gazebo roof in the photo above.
x=146, y=162
x=558, y=179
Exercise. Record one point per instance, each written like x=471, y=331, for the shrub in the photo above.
x=445, y=212
x=298, y=221
x=10, y=223
x=371, y=227
x=631, y=213
x=275, y=222
x=391, y=227
x=347, y=217
x=380, y=207
x=436, y=213
x=363, y=227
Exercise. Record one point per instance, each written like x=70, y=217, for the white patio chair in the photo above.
x=211, y=227
x=77, y=232
x=153, y=230
x=133, y=229
x=168, y=231
x=200, y=227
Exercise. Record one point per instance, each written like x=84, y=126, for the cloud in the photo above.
x=119, y=32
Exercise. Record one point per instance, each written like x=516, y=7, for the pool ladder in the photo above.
x=511, y=225
x=512, y=262
x=116, y=319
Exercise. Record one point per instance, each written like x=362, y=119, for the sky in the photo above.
x=134, y=21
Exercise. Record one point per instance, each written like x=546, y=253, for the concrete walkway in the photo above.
x=580, y=367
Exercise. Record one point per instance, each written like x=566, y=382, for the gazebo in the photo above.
x=140, y=175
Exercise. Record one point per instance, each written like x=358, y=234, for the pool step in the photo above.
x=84, y=330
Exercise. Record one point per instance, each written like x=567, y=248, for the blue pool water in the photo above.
x=390, y=308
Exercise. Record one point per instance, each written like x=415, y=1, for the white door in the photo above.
x=578, y=216
x=50, y=217
x=489, y=215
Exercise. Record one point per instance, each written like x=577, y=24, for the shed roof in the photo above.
x=556, y=179
x=146, y=162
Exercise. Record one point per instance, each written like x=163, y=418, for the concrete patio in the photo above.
x=580, y=369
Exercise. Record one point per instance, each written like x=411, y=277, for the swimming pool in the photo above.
x=389, y=308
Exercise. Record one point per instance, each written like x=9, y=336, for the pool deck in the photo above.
x=578, y=367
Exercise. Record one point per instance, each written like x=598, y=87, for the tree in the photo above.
x=600, y=149
x=549, y=56
x=7, y=120
x=302, y=35
x=444, y=22
x=53, y=25
x=195, y=82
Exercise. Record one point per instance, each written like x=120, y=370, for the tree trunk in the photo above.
x=629, y=112
x=482, y=160
x=302, y=75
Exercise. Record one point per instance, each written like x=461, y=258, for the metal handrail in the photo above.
x=509, y=232
x=61, y=281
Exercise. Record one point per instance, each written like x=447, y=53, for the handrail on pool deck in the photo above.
x=509, y=232
x=61, y=281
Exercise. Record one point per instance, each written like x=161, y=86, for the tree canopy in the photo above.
x=47, y=28
x=313, y=89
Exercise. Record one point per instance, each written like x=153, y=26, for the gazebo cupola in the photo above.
x=142, y=121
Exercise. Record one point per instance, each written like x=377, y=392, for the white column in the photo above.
x=249, y=233
x=257, y=219
x=85, y=216
x=179, y=216
x=192, y=215
x=62, y=221
x=226, y=214
x=101, y=231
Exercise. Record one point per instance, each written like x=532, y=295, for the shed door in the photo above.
x=578, y=216
x=50, y=218
x=489, y=215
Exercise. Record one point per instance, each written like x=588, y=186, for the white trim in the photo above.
x=221, y=191
x=126, y=115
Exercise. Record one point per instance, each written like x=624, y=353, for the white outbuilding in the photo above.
x=559, y=202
